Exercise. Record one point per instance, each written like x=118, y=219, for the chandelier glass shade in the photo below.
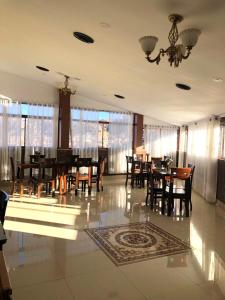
x=175, y=52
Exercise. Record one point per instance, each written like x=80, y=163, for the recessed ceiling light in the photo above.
x=119, y=96
x=42, y=68
x=183, y=86
x=218, y=79
x=83, y=37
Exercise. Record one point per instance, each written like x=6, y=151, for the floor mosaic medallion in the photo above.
x=125, y=244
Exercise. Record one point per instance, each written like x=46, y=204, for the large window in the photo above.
x=93, y=129
x=30, y=125
x=103, y=135
x=161, y=141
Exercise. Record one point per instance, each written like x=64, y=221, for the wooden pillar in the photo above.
x=138, y=125
x=64, y=120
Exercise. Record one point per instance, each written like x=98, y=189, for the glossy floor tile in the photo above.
x=49, y=255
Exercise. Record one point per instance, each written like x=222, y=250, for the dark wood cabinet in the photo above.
x=103, y=153
x=220, y=194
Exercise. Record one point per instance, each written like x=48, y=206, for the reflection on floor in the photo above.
x=49, y=256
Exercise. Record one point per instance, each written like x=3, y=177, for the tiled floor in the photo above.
x=49, y=256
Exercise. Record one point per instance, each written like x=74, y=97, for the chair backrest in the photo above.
x=139, y=157
x=192, y=171
x=12, y=169
x=136, y=165
x=129, y=159
x=146, y=167
x=48, y=162
x=74, y=158
x=84, y=161
x=3, y=204
x=157, y=161
x=36, y=157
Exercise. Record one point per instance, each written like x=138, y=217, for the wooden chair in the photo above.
x=71, y=176
x=98, y=178
x=136, y=173
x=154, y=188
x=48, y=180
x=145, y=170
x=19, y=178
x=84, y=178
x=192, y=176
x=129, y=160
x=182, y=192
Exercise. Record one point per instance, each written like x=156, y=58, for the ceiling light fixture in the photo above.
x=119, y=96
x=183, y=86
x=66, y=90
x=175, y=52
x=42, y=68
x=83, y=37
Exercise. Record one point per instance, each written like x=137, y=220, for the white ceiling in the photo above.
x=40, y=33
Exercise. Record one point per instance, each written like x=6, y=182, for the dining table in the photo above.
x=61, y=170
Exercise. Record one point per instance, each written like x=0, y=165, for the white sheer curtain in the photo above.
x=84, y=132
x=183, y=146
x=120, y=140
x=10, y=132
x=202, y=151
x=41, y=132
x=160, y=141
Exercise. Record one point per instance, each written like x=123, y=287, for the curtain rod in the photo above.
x=103, y=110
x=161, y=126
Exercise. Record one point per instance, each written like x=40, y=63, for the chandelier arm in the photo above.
x=158, y=57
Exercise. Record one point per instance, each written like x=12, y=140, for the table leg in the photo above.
x=60, y=184
x=21, y=189
x=64, y=184
x=163, y=195
x=89, y=180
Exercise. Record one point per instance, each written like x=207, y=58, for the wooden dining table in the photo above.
x=61, y=169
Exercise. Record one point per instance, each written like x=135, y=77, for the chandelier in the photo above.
x=175, y=52
x=66, y=90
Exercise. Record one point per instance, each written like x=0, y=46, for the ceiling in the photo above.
x=40, y=33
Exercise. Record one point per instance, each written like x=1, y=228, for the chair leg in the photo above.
x=180, y=206
x=39, y=190
x=187, y=207
x=132, y=183
x=169, y=206
x=21, y=189
x=126, y=180
x=190, y=205
x=30, y=189
x=13, y=188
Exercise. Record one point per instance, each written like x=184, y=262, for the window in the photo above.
x=103, y=135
